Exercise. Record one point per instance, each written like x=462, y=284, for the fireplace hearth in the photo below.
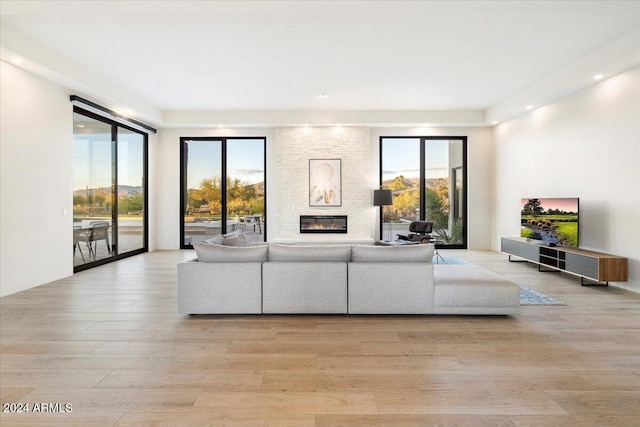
x=323, y=224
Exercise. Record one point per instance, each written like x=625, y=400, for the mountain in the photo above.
x=123, y=190
x=414, y=183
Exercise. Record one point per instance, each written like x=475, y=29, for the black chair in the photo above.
x=419, y=231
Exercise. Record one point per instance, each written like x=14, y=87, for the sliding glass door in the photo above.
x=131, y=191
x=109, y=196
x=427, y=176
x=93, y=194
x=223, y=188
x=400, y=165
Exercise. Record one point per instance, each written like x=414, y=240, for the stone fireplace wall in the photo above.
x=289, y=189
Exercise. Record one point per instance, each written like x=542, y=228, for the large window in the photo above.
x=427, y=176
x=109, y=197
x=223, y=188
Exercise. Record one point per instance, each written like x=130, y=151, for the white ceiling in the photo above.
x=177, y=56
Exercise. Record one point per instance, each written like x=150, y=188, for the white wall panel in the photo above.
x=36, y=202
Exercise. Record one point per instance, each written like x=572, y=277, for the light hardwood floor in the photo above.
x=109, y=342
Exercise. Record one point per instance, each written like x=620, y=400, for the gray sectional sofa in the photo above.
x=277, y=279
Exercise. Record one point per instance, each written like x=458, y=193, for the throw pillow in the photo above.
x=234, y=233
x=234, y=240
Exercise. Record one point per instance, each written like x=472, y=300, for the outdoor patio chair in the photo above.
x=253, y=221
x=79, y=235
x=99, y=231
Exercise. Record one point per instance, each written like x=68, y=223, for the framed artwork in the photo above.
x=325, y=182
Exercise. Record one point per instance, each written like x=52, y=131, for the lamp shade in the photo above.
x=382, y=197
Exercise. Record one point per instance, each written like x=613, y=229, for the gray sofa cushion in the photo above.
x=321, y=253
x=473, y=286
x=210, y=252
x=390, y=287
x=407, y=253
x=304, y=287
x=219, y=287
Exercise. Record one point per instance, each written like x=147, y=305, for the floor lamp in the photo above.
x=383, y=198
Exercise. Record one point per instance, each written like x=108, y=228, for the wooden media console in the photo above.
x=595, y=266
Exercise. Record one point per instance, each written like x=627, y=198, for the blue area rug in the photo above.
x=448, y=260
x=531, y=297
x=527, y=296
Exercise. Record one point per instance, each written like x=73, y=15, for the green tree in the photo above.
x=533, y=207
x=132, y=202
x=242, y=198
x=405, y=204
x=211, y=194
x=398, y=183
x=98, y=198
x=79, y=200
x=437, y=208
x=136, y=202
x=257, y=206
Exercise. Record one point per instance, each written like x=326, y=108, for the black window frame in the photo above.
x=422, y=202
x=114, y=209
x=183, y=181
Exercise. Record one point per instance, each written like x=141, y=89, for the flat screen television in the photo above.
x=552, y=220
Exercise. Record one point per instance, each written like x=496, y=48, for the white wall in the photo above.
x=36, y=202
x=168, y=177
x=152, y=189
x=479, y=169
x=585, y=145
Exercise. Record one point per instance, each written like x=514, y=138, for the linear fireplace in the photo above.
x=323, y=223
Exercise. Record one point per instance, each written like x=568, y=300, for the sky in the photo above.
x=401, y=156
x=92, y=160
x=245, y=160
x=567, y=204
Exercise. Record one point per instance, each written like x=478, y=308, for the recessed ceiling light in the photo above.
x=598, y=77
x=495, y=122
x=529, y=107
x=16, y=60
x=220, y=126
x=80, y=126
